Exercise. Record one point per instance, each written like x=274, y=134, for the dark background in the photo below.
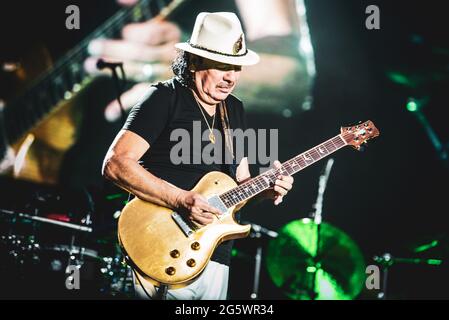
x=395, y=194
x=389, y=198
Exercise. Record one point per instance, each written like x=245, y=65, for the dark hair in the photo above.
x=180, y=67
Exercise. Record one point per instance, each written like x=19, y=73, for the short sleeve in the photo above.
x=149, y=117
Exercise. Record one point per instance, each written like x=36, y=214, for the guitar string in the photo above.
x=260, y=182
x=298, y=160
x=336, y=142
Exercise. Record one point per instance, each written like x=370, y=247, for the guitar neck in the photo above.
x=68, y=76
x=266, y=180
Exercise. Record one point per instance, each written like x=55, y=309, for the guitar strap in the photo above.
x=225, y=124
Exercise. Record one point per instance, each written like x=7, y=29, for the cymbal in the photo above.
x=338, y=272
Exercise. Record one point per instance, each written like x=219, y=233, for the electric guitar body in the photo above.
x=161, y=251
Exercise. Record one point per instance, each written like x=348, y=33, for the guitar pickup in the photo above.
x=216, y=202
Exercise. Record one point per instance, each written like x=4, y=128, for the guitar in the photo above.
x=41, y=123
x=165, y=248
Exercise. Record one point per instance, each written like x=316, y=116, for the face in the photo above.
x=213, y=80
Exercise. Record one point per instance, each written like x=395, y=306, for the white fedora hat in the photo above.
x=219, y=36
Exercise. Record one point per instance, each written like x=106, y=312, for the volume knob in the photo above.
x=170, y=271
x=195, y=245
x=174, y=253
x=191, y=263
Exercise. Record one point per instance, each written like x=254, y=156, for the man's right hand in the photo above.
x=197, y=208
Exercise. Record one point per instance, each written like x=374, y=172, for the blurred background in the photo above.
x=321, y=69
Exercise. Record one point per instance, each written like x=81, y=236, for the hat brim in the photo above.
x=250, y=58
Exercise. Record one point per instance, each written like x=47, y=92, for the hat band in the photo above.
x=217, y=52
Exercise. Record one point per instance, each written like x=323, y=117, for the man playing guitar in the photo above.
x=206, y=70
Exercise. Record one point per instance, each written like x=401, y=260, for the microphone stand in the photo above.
x=387, y=260
x=257, y=232
x=101, y=64
x=119, y=92
x=317, y=218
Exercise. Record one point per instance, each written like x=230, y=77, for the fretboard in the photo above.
x=68, y=76
x=267, y=179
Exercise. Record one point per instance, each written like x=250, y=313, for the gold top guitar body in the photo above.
x=165, y=248
x=157, y=244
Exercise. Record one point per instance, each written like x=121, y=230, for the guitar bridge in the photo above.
x=184, y=226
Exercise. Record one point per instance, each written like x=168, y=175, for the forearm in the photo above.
x=129, y=175
x=280, y=13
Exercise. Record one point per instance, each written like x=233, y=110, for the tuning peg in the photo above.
x=362, y=147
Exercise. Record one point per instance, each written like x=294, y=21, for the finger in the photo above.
x=125, y=50
x=283, y=184
x=202, y=204
x=195, y=211
x=277, y=164
x=202, y=219
x=152, y=32
x=278, y=200
x=205, y=206
x=243, y=173
x=207, y=215
x=281, y=191
x=288, y=179
x=208, y=208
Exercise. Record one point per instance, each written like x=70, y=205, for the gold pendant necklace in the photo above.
x=211, y=132
x=212, y=137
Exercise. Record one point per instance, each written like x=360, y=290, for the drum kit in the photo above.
x=38, y=250
x=305, y=259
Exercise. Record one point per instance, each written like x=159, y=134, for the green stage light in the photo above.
x=435, y=262
x=400, y=78
x=114, y=196
x=426, y=246
x=311, y=269
x=412, y=105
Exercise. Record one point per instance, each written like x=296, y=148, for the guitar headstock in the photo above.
x=359, y=134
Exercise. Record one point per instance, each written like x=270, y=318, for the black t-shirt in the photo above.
x=169, y=106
